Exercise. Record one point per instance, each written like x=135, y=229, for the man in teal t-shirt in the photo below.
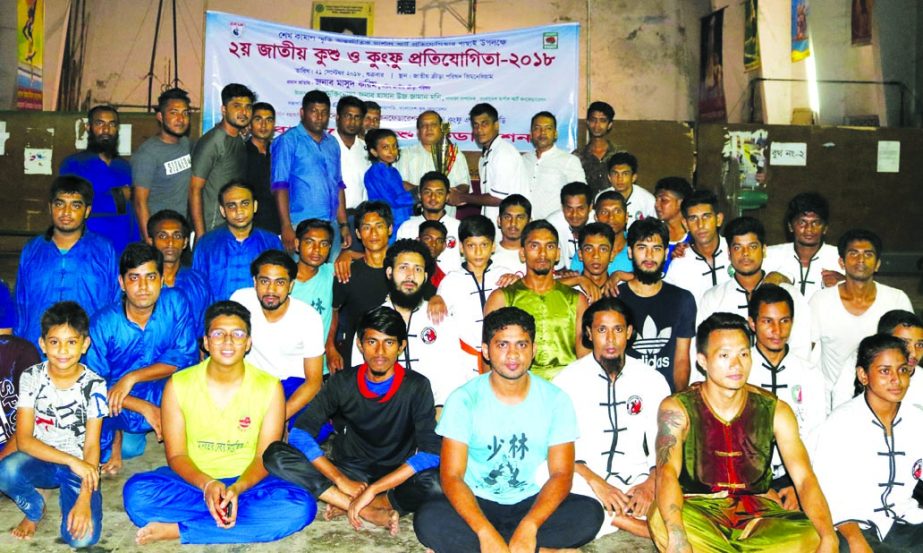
x=498, y=430
x=314, y=283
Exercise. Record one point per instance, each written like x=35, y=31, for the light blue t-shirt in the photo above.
x=318, y=293
x=507, y=443
x=621, y=263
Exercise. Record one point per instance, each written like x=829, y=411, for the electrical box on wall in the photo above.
x=406, y=7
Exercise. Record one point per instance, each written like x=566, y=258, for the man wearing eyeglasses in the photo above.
x=220, y=416
x=110, y=175
x=288, y=334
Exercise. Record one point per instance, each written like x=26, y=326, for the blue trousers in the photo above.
x=289, y=385
x=266, y=512
x=133, y=425
x=21, y=474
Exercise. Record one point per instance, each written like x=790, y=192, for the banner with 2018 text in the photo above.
x=519, y=72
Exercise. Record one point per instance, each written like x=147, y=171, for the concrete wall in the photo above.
x=892, y=55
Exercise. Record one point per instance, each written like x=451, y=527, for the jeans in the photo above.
x=21, y=474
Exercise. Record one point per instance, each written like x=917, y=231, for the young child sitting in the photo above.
x=382, y=181
x=59, y=418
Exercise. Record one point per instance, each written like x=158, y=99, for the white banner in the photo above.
x=519, y=72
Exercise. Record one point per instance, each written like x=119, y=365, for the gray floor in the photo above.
x=334, y=537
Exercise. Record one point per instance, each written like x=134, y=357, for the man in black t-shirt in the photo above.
x=663, y=314
x=384, y=464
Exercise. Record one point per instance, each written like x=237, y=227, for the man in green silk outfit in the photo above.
x=714, y=447
x=557, y=309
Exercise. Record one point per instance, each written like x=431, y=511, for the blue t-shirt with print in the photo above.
x=507, y=443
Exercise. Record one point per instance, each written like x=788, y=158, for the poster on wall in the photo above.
x=746, y=151
x=801, y=47
x=30, y=46
x=510, y=70
x=712, y=106
x=348, y=18
x=861, y=22
x=751, y=35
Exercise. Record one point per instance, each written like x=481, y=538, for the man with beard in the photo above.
x=372, y=119
x=307, y=180
x=161, y=167
x=433, y=349
x=434, y=189
x=383, y=465
x=168, y=231
x=135, y=344
x=418, y=161
x=515, y=214
x=848, y=312
x=558, y=307
x=595, y=155
x=664, y=315
x=807, y=261
x=288, y=334
x=262, y=129
x=570, y=219
x=67, y=262
x=219, y=157
x=500, y=167
x=110, y=176
x=746, y=239
x=775, y=369
x=705, y=262
x=714, y=452
x=616, y=401
x=548, y=168
x=224, y=255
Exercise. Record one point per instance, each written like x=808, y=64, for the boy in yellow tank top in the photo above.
x=218, y=418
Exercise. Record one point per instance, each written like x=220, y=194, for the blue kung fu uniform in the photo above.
x=86, y=274
x=8, y=308
x=120, y=346
x=107, y=179
x=192, y=284
x=225, y=262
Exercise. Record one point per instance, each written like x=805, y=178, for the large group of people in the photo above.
x=305, y=317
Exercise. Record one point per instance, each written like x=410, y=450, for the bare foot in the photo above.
x=112, y=467
x=25, y=530
x=332, y=512
x=157, y=531
x=633, y=525
x=383, y=518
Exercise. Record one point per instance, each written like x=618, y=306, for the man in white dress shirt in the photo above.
x=548, y=168
x=615, y=398
x=807, y=261
x=570, y=219
x=500, y=168
x=623, y=176
x=354, y=158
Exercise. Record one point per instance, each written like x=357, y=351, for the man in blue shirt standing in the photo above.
x=110, y=176
x=168, y=231
x=136, y=343
x=307, y=180
x=67, y=262
x=224, y=255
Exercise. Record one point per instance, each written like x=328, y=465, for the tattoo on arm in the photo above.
x=668, y=422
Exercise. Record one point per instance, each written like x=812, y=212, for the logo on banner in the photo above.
x=634, y=405
x=237, y=29
x=550, y=41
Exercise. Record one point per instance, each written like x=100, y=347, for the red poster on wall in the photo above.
x=712, y=105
